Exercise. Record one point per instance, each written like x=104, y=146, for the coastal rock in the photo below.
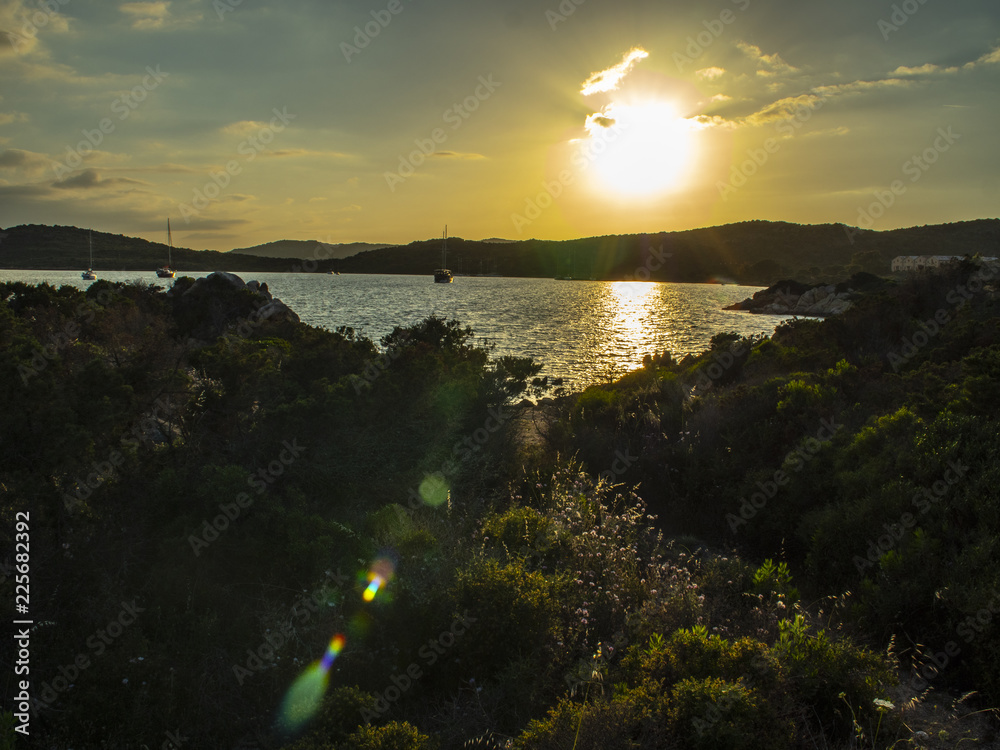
x=790, y=297
x=209, y=307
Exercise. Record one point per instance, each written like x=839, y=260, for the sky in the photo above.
x=244, y=121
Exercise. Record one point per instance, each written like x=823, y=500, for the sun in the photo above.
x=641, y=149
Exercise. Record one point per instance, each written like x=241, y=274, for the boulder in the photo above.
x=213, y=305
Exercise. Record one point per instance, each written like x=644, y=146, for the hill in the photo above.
x=753, y=252
x=758, y=252
x=308, y=249
x=44, y=247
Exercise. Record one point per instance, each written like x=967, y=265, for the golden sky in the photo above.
x=245, y=121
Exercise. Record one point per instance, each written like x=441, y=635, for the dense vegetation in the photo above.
x=781, y=543
x=752, y=252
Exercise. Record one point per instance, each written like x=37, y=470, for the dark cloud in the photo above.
x=90, y=178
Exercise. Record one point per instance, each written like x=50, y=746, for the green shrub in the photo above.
x=393, y=736
x=715, y=714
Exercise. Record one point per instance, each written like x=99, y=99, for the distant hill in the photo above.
x=308, y=249
x=753, y=252
x=44, y=247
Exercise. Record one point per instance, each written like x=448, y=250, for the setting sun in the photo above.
x=649, y=149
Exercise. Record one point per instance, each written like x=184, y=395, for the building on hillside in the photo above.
x=920, y=262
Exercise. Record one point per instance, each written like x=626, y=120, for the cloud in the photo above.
x=721, y=98
x=21, y=24
x=598, y=120
x=928, y=69
x=90, y=179
x=16, y=158
x=29, y=164
x=165, y=168
x=990, y=57
x=767, y=65
x=244, y=127
x=147, y=15
x=201, y=224
x=6, y=118
x=793, y=106
x=290, y=152
x=828, y=133
x=456, y=155
x=924, y=70
x=710, y=74
x=608, y=80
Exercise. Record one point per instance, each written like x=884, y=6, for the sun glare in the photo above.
x=640, y=150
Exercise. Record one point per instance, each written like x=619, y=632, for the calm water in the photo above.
x=578, y=330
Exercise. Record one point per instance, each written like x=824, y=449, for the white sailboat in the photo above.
x=442, y=275
x=89, y=274
x=167, y=271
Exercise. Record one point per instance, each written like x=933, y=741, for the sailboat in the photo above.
x=442, y=275
x=166, y=272
x=89, y=274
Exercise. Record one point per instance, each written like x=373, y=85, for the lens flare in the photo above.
x=378, y=577
x=304, y=697
x=332, y=652
x=434, y=490
x=373, y=587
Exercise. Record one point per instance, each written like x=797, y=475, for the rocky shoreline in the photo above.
x=789, y=297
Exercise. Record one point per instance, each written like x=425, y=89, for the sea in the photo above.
x=584, y=332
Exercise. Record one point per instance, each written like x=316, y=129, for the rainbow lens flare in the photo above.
x=378, y=576
x=304, y=697
x=375, y=583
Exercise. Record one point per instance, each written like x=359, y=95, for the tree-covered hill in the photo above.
x=755, y=252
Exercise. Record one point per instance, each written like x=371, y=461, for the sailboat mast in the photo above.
x=170, y=244
x=444, y=248
x=90, y=242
